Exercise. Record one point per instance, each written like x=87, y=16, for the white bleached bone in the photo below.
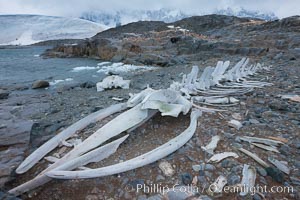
x=66, y=144
x=83, y=168
x=135, y=99
x=291, y=97
x=212, y=145
x=233, y=74
x=280, y=165
x=187, y=85
x=95, y=155
x=254, y=157
x=248, y=180
x=151, y=113
x=218, y=73
x=261, y=140
x=205, y=109
x=51, y=159
x=220, y=156
x=117, y=99
x=266, y=147
x=113, y=81
x=235, y=124
x=218, y=185
x=121, y=123
x=38, y=154
x=71, y=143
x=216, y=99
x=74, y=142
x=136, y=162
x=192, y=76
x=205, y=79
x=168, y=102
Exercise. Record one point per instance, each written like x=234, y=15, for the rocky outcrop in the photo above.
x=161, y=44
x=15, y=131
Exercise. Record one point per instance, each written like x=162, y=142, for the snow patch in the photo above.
x=60, y=81
x=116, y=68
x=30, y=29
x=83, y=68
x=103, y=63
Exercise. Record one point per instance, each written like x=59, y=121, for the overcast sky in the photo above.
x=73, y=8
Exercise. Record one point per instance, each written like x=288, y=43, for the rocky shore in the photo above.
x=30, y=117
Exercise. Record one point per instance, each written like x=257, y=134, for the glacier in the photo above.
x=115, y=18
x=30, y=29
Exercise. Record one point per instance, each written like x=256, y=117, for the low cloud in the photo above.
x=281, y=8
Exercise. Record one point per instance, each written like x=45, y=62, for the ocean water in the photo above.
x=23, y=66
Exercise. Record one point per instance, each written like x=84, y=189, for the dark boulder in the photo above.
x=3, y=94
x=40, y=84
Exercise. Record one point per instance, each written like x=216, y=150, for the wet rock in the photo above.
x=196, y=168
x=209, y=167
x=142, y=197
x=203, y=182
x=253, y=121
x=3, y=94
x=88, y=84
x=40, y=84
x=175, y=39
x=278, y=56
x=127, y=195
x=256, y=197
x=203, y=167
x=117, y=58
x=186, y=178
x=152, y=59
x=181, y=193
x=204, y=197
x=67, y=87
x=228, y=135
x=277, y=105
x=6, y=196
x=237, y=169
x=295, y=180
x=250, y=51
x=136, y=183
x=227, y=163
x=208, y=174
x=297, y=163
x=297, y=144
x=159, y=178
x=261, y=171
x=9, y=159
x=233, y=179
x=285, y=150
x=17, y=132
x=275, y=174
x=156, y=197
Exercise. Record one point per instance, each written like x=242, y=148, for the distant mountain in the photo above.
x=241, y=12
x=121, y=17
x=30, y=29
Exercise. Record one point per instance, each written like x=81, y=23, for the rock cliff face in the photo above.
x=162, y=44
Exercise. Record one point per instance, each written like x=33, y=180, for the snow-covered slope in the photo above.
x=29, y=29
x=121, y=17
